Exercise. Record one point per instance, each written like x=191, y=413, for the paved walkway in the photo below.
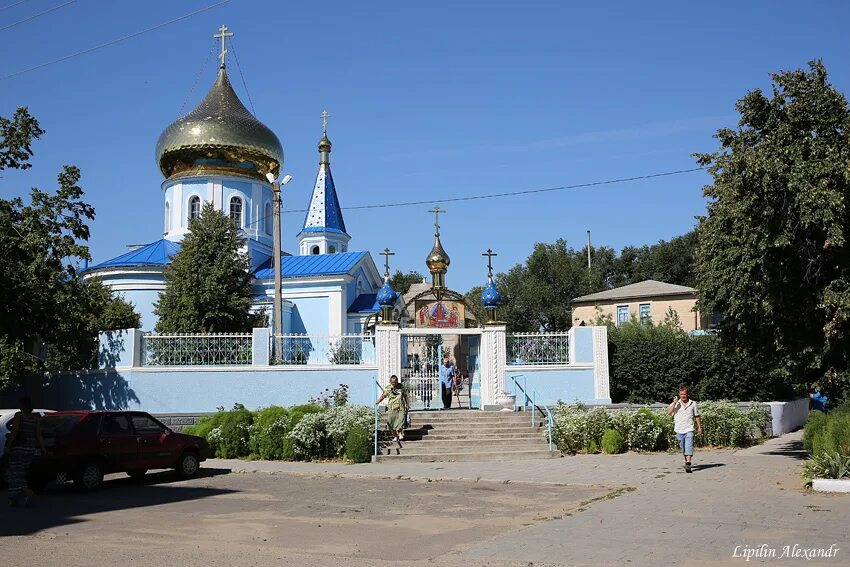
x=734, y=499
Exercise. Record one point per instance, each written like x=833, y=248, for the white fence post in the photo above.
x=260, y=346
x=388, y=352
x=494, y=392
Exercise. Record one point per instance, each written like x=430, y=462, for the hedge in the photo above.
x=827, y=438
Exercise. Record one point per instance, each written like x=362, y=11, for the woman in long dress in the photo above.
x=21, y=445
x=397, y=407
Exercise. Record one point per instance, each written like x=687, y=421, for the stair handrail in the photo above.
x=544, y=409
x=375, y=388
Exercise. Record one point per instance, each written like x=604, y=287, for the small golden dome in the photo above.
x=437, y=260
x=219, y=134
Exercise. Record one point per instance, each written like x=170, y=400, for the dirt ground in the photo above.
x=224, y=518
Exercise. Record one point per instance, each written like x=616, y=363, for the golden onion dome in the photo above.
x=437, y=260
x=220, y=135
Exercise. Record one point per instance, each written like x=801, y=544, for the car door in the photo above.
x=156, y=451
x=117, y=443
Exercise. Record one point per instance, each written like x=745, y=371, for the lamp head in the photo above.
x=286, y=179
x=270, y=177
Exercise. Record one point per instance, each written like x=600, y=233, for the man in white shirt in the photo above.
x=685, y=413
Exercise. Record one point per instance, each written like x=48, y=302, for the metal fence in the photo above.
x=538, y=348
x=327, y=350
x=212, y=349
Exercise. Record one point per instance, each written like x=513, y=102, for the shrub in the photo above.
x=725, y=425
x=359, y=445
x=644, y=432
x=833, y=436
x=227, y=432
x=267, y=435
x=828, y=465
x=814, y=425
x=613, y=442
x=323, y=434
x=570, y=428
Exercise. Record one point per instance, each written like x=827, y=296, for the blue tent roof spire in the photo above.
x=324, y=213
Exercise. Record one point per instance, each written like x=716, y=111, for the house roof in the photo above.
x=313, y=265
x=364, y=303
x=156, y=253
x=647, y=288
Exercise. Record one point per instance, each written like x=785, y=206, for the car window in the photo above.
x=88, y=428
x=145, y=424
x=58, y=425
x=115, y=424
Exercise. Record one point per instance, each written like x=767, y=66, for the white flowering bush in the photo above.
x=323, y=435
x=644, y=432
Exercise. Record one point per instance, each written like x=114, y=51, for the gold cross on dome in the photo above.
x=489, y=253
x=325, y=117
x=223, y=35
x=386, y=254
x=437, y=210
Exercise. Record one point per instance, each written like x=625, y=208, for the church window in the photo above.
x=315, y=251
x=194, y=207
x=269, y=222
x=236, y=211
x=167, y=217
x=332, y=250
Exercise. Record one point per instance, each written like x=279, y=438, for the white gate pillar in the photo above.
x=494, y=392
x=388, y=351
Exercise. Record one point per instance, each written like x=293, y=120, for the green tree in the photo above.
x=773, y=252
x=401, y=282
x=670, y=262
x=49, y=318
x=207, y=284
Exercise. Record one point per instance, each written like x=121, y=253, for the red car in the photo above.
x=85, y=445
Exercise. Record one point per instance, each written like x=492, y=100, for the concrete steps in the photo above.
x=467, y=435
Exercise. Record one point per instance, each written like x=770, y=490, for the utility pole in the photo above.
x=588, y=250
x=278, y=297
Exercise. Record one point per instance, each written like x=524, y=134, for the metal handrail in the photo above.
x=375, y=389
x=544, y=409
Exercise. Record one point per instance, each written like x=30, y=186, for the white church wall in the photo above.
x=310, y=315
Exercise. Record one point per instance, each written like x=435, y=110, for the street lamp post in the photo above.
x=276, y=251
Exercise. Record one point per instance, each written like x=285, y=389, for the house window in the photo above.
x=315, y=251
x=269, y=218
x=645, y=313
x=622, y=314
x=332, y=250
x=194, y=208
x=167, y=217
x=236, y=211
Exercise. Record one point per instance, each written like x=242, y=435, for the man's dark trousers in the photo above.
x=447, y=395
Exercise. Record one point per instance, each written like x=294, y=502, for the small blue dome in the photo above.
x=490, y=297
x=387, y=296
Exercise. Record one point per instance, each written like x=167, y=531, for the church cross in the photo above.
x=386, y=254
x=223, y=35
x=489, y=253
x=437, y=210
x=325, y=117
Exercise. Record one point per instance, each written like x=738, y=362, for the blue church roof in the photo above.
x=324, y=214
x=364, y=303
x=313, y=265
x=156, y=253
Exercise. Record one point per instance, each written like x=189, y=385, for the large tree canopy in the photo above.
x=773, y=251
x=207, y=284
x=49, y=318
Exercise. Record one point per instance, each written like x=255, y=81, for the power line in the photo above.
x=513, y=193
x=115, y=41
x=25, y=20
x=12, y=5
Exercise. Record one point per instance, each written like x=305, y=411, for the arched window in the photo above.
x=315, y=250
x=332, y=249
x=269, y=219
x=167, y=217
x=194, y=207
x=236, y=211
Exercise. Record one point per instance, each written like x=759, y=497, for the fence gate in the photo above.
x=421, y=357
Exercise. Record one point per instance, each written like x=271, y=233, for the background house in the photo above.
x=646, y=300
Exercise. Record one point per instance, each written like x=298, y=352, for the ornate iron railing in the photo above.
x=315, y=349
x=538, y=348
x=184, y=349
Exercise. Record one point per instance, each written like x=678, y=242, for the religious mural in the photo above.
x=440, y=314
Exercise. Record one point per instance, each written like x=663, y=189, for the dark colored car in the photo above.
x=85, y=445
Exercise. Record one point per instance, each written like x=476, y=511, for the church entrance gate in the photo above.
x=422, y=354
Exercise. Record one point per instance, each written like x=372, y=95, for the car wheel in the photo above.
x=90, y=477
x=188, y=465
x=137, y=474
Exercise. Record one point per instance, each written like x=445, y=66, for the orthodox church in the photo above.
x=219, y=153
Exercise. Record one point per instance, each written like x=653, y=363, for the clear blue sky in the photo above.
x=428, y=100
